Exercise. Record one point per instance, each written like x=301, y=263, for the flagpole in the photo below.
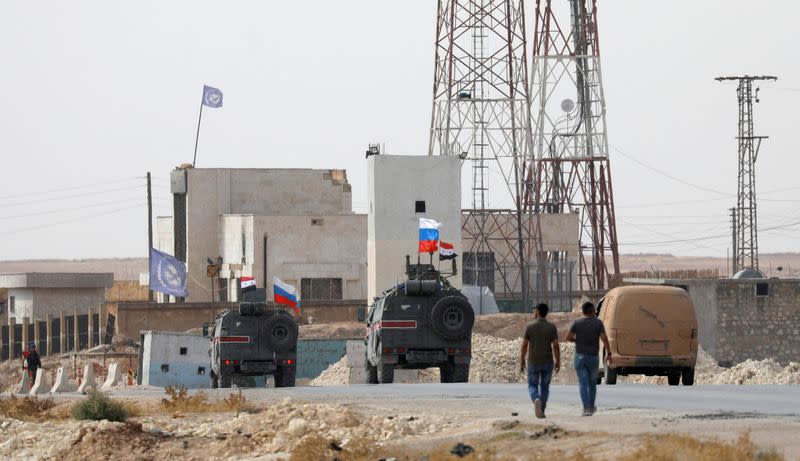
x=197, y=136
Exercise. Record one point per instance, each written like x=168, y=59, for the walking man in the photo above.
x=34, y=362
x=586, y=333
x=540, y=347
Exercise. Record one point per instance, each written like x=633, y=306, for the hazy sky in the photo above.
x=96, y=93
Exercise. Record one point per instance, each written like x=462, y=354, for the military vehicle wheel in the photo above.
x=385, y=373
x=214, y=381
x=372, y=371
x=224, y=381
x=461, y=373
x=611, y=375
x=452, y=317
x=446, y=372
x=282, y=334
x=674, y=377
x=687, y=376
x=284, y=377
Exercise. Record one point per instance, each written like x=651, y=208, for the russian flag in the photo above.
x=428, y=235
x=286, y=294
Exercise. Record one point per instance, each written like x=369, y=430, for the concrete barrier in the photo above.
x=24, y=384
x=41, y=385
x=62, y=383
x=112, y=378
x=89, y=381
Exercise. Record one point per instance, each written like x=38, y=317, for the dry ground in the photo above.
x=286, y=429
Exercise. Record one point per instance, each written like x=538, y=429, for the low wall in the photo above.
x=133, y=317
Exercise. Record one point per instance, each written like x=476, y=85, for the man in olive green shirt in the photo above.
x=540, y=346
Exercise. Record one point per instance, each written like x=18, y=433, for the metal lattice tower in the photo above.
x=481, y=113
x=572, y=172
x=745, y=218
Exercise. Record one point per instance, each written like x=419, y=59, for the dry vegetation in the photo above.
x=180, y=401
x=26, y=408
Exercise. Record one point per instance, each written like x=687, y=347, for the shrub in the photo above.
x=97, y=406
x=179, y=400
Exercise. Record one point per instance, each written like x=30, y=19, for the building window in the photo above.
x=201, y=370
x=316, y=222
x=419, y=206
x=478, y=269
x=164, y=368
x=183, y=351
x=12, y=305
x=762, y=289
x=320, y=288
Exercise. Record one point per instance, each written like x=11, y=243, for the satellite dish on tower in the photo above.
x=567, y=105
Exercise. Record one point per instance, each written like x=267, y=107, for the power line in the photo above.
x=674, y=178
x=83, y=194
x=44, y=226
x=28, y=194
x=81, y=207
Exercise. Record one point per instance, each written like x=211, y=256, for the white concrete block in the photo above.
x=112, y=378
x=358, y=375
x=356, y=350
x=89, y=381
x=24, y=385
x=62, y=383
x=42, y=383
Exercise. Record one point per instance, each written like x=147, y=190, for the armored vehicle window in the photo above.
x=410, y=307
x=320, y=288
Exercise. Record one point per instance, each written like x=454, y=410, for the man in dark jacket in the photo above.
x=586, y=333
x=34, y=362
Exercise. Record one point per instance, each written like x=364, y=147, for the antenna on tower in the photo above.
x=572, y=172
x=745, y=217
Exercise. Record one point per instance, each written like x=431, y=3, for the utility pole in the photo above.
x=746, y=240
x=149, y=232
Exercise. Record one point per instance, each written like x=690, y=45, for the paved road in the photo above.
x=766, y=400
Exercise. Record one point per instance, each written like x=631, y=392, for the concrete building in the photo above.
x=296, y=224
x=740, y=319
x=34, y=295
x=402, y=189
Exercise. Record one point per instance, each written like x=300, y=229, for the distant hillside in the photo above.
x=129, y=268
x=123, y=268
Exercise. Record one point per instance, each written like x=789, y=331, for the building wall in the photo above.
x=756, y=327
x=163, y=364
x=57, y=300
x=23, y=304
x=126, y=290
x=395, y=183
x=215, y=192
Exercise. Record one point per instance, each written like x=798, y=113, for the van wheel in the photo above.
x=372, y=371
x=611, y=375
x=674, y=377
x=224, y=380
x=461, y=373
x=687, y=376
x=385, y=373
x=446, y=372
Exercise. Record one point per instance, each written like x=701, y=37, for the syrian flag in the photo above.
x=286, y=295
x=446, y=251
x=428, y=235
x=248, y=283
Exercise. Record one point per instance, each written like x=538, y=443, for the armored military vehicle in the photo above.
x=421, y=323
x=254, y=340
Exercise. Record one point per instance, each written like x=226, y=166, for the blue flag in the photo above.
x=212, y=97
x=167, y=274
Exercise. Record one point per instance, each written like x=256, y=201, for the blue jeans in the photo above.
x=586, y=367
x=539, y=382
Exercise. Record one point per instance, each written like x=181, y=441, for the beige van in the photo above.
x=652, y=330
